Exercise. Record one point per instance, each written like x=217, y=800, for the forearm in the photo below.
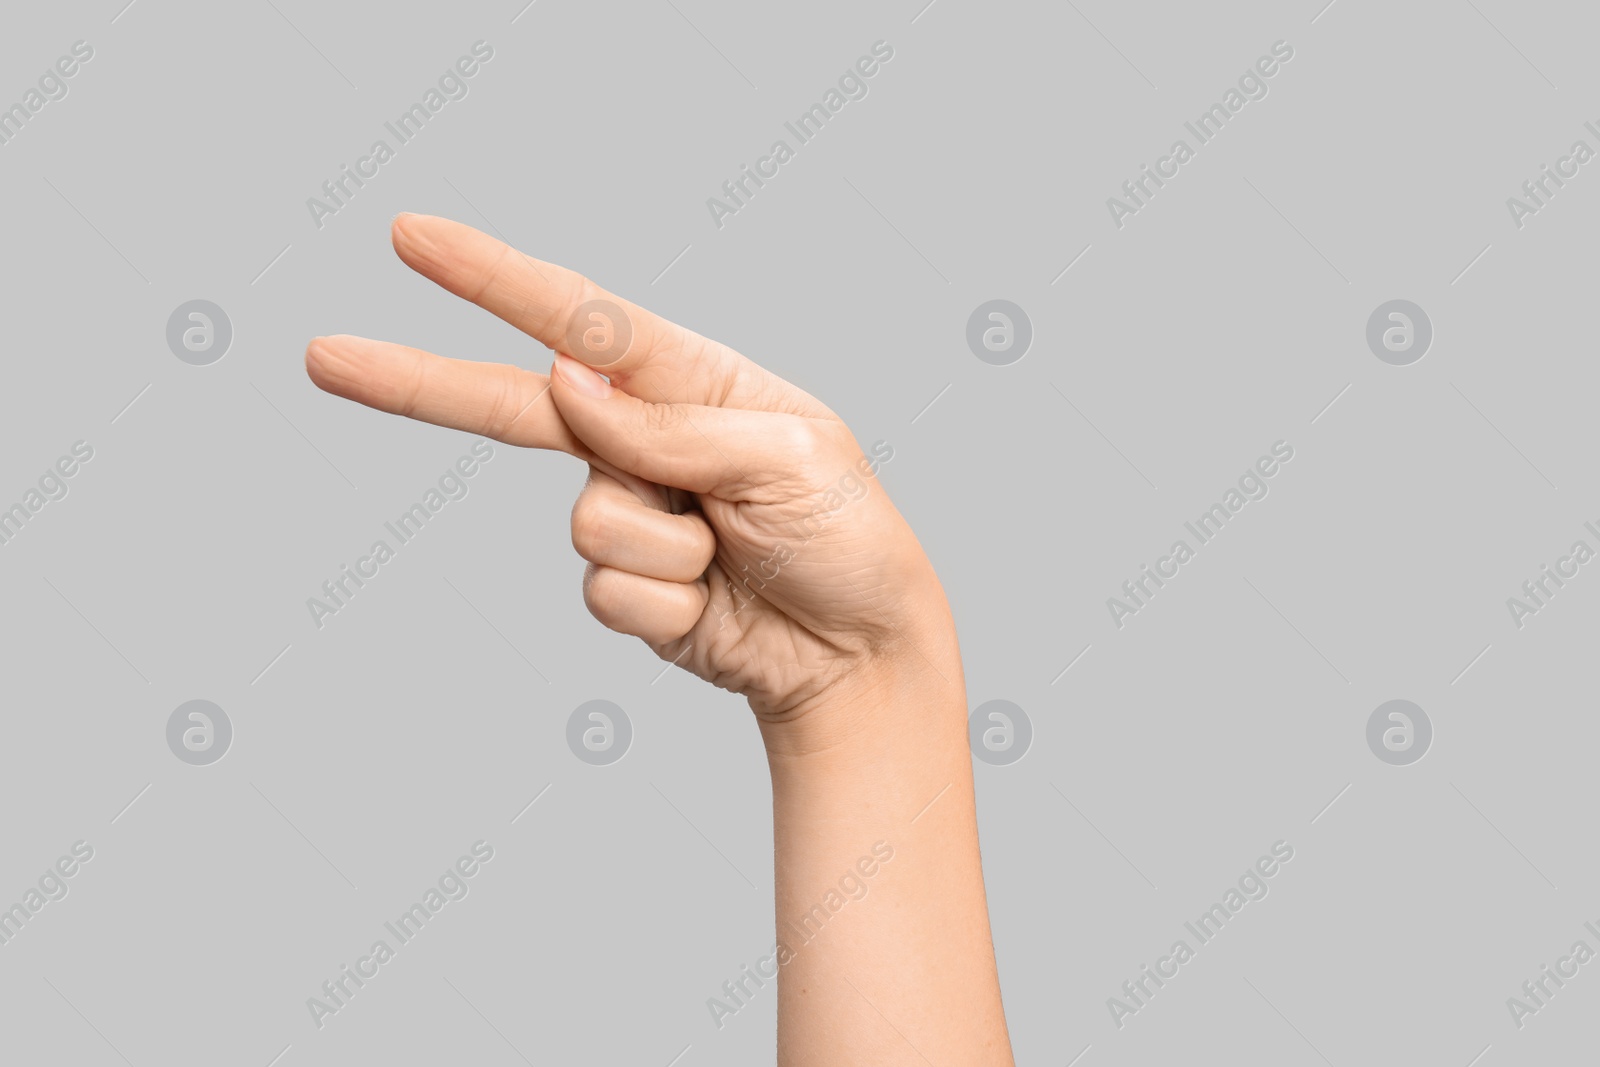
x=880, y=899
x=791, y=580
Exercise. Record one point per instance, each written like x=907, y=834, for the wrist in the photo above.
x=898, y=701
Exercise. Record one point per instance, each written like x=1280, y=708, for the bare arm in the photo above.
x=733, y=523
x=905, y=974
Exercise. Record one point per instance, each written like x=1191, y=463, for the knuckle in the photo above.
x=798, y=443
x=602, y=595
x=658, y=425
x=702, y=543
x=505, y=405
x=663, y=419
x=491, y=274
x=565, y=300
x=588, y=525
x=409, y=395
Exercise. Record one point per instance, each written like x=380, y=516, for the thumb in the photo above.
x=724, y=452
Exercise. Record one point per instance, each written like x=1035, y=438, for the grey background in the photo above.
x=1227, y=315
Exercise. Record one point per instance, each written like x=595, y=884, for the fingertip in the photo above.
x=316, y=355
x=408, y=230
x=400, y=232
x=437, y=248
x=330, y=362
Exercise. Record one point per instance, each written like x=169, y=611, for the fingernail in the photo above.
x=582, y=378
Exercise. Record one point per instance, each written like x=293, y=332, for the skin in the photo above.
x=732, y=522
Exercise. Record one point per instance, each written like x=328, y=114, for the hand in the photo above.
x=731, y=521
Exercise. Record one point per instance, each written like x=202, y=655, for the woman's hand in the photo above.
x=731, y=521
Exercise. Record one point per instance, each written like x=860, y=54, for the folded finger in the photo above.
x=647, y=608
x=612, y=526
x=733, y=454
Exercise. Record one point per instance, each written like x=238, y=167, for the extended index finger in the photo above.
x=566, y=312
